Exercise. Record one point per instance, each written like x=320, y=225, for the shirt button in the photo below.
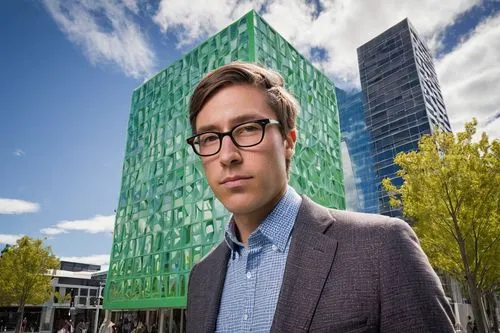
x=245, y=317
x=249, y=275
x=275, y=248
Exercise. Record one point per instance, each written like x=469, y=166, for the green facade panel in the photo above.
x=167, y=217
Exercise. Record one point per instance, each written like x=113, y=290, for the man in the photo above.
x=287, y=264
x=469, y=324
x=24, y=325
x=80, y=326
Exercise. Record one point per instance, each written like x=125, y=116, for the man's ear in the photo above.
x=290, y=140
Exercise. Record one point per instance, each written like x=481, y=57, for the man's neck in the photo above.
x=248, y=223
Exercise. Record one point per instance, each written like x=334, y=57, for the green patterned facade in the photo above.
x=167, y=217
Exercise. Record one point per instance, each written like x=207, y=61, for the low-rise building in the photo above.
x=78, y=288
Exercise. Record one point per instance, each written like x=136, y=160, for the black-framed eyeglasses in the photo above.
x=248, y=134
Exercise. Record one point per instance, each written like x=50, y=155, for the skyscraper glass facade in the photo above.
x=402, y=99
x=359, y=176
x=167, y=217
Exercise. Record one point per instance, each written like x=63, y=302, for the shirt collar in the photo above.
x=277, y=226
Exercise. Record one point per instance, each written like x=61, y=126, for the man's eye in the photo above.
x=208, y=139
x=250, y=128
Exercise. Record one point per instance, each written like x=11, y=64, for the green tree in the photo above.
x=451, y=191
x=62, y=299
x=24, y=274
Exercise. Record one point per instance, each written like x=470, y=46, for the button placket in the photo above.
x=251, y=271
x=249, y=293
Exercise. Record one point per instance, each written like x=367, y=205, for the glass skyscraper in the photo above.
x=167, y=217
x=359, y=176
x=402, y=99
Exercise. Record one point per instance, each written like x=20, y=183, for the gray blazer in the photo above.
x=345, y=272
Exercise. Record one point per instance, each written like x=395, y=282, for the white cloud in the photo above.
x=14, y=206
x=132, y=5
x=9, y=239
x=339, y=29
x=52, y=231
x=96, y=259
x=470, y=76
x=97, y=224
x=107, y=32
x=94, y=225
x=19, y=153
x=196, y=19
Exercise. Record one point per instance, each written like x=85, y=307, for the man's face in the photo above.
x=246, y=180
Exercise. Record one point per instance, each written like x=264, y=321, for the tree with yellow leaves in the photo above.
x=24, y=274
x=451, y=190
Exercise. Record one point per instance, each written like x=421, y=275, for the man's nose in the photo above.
x=229, y=153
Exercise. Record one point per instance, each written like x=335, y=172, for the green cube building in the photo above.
x=167, y=218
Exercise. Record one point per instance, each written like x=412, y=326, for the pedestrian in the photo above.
x=79, y=327
x=85, y=327
x=470, y=325
x=287, y=264
x=24, y=325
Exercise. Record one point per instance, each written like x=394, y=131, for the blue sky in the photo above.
x=68, y=70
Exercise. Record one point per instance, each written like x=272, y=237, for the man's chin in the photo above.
x=242, y=204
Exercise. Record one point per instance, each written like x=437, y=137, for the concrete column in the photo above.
x=182, y=321
x=171, y=321
x=161, y=321
x=47, y=318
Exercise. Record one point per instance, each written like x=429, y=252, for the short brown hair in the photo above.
x=280, y=101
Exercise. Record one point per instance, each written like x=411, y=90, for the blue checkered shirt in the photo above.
x=254, y=274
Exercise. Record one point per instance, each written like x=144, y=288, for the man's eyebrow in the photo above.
x=235, y=121
x=206, y=128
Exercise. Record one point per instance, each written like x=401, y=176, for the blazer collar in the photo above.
x=308, y=265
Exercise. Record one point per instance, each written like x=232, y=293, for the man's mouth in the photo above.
x=235, y=181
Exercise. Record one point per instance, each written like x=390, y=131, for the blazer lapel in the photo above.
x=308, y=265
x=216, y=275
